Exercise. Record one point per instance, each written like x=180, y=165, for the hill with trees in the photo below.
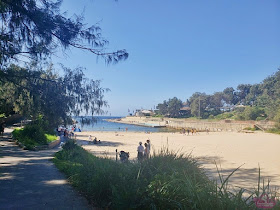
x=246, y=102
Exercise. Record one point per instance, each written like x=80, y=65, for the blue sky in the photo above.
x=178, y=47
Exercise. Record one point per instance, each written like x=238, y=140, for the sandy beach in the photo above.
x=228, y=150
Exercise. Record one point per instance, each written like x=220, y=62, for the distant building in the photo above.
x=185, y=110
x=143, y=113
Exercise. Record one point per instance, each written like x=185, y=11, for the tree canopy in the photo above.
x=170, y=108
x=35, y=29
x=260, y=101
x=44, y=93
x=31, y=31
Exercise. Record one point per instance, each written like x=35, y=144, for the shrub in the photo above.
x=50, y=137
x=32, y=135
x=251, y=113
x=223, y=116
x=165, y=181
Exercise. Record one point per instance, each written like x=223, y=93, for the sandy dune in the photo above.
x=229, y=150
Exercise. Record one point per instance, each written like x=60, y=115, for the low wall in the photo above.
x=223, y=125
x=54, y=143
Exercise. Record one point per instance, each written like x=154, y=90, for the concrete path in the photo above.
x=29, y=180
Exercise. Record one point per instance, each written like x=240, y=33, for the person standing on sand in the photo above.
x=184, y=131
x=192, y=131
x=188, y=131
x=146, y=151
x=149, y=147
x=140, y=150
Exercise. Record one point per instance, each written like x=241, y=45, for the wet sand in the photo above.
x=226, y=150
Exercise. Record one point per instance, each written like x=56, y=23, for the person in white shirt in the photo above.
x=147, y=151
x=140, y=150
x=148, y=148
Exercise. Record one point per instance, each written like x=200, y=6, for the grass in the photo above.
x=167, y=180
x=274, y=130
x=251, y=129
x=32, y=136
x=50, y=138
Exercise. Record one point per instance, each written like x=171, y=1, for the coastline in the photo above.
x=201, y=125
x=226, y=150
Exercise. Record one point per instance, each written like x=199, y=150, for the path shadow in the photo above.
x=36, y=184
x=29, y=180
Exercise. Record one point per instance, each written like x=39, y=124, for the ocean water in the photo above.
x=100, y=124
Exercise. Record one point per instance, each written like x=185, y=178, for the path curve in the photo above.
x=29, y=180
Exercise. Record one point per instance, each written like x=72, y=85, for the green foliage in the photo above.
x=274, y=130
x=34, y=93
x=251, y=129
x=165, y=181
x=277, y=116
x=224, y=116
x=38, y=28
x=264, y=99
x=31, y=31
x=170, y=108
x=33, y=135
x=50, y=137
x=252, y=113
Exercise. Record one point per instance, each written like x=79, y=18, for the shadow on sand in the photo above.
x=246, y=178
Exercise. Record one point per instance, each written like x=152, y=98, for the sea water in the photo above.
x=100, y=123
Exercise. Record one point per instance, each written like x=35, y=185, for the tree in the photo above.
x=229, y=95
x=216, y=100
x=170, y=108
x=174, y=106
x=163, y=108
x=199, y=102
x=252, y=113
x=34, y=29
x=243, y=91
x=43, y=93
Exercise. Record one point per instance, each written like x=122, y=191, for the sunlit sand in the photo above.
x=225, y=150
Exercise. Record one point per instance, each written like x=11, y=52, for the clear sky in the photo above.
x=178, y=47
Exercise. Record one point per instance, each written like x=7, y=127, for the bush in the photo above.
x=223, y=116
x=32, y=135
x=165, y=181
x=274, y=130
x=251, y=113
x=50, y=137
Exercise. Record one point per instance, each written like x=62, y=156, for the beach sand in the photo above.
x=227, y=150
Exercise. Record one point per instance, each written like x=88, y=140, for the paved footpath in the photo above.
x=29, y=180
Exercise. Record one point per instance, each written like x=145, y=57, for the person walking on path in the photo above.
x=140, y=150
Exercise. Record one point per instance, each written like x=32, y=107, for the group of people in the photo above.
x=144, y=153
x=192, y=131
x=61, y=130
x=95, y=141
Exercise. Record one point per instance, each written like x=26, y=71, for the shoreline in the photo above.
x=201, y=125
x=228, y=150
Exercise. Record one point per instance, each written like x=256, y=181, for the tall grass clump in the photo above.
x=167, y=180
